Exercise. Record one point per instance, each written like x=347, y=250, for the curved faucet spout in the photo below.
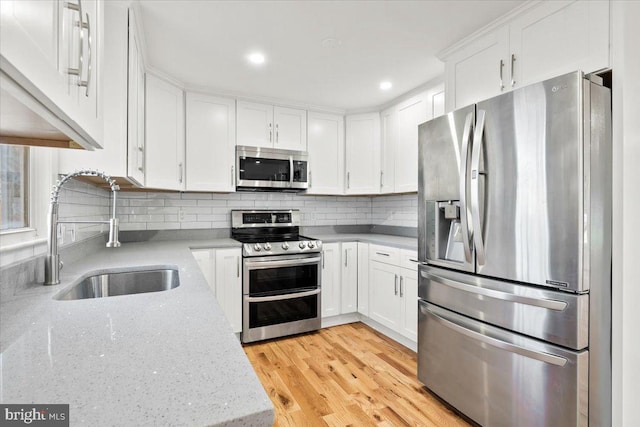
x=52, y=262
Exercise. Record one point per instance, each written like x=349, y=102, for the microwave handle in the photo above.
x=291, y=171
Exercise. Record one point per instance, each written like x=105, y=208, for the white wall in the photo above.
x=626, y=212
x=397, y=210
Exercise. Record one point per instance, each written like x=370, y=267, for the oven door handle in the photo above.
x=283, y=297
x=255, y=265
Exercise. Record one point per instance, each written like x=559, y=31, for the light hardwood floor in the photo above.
x=345, y=375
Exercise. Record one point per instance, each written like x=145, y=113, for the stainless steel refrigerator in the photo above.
x=514, y=241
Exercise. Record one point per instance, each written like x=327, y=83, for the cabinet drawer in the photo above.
x=384, y=254
x=409, y=259
x=496, y=377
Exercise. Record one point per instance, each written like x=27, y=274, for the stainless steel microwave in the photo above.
x=271, y=169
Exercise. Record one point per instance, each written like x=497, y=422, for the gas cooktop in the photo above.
x=271, y=232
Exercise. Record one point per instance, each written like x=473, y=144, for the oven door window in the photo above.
x=279, y=280
x=259, y=169
x=282, y=311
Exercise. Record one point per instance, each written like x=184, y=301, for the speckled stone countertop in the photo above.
x=161, y=358
x=401, y=242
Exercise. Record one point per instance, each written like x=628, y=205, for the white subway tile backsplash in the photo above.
x=167, y=211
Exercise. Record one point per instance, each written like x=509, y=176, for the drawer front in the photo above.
x=409, y=259
x=561, y=318
x=498, y=378
x=384, y=254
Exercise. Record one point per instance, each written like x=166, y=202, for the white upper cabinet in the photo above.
x=326, y=153
x=262, y=125
x=53, y=50
x=363, y=154
x=478, y=70
x=410, y=114
x=164, y=120
x=290, y=127
x=210, y=143
x=255, y=124
x=399, y=171
x=136, y=99
x=559, y=37
x=389, y=124
x=541, y=41
x=122, y=154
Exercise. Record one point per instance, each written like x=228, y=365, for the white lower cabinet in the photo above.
x=349, y=278
x=222, y=269
x=339, y=278
x=330, y=279
x=363, y=278
x=383, y=294
x=393, y=292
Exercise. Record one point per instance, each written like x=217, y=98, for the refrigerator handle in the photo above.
x=475, y=188
x=466, y=235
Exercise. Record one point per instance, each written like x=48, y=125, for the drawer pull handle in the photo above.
x=382, y=253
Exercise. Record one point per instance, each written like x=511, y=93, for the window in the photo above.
x=14, y=187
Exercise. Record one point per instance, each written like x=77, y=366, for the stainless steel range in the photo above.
x=280, y=274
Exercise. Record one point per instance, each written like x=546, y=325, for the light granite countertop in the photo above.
x=401, y=242
x=161, y=358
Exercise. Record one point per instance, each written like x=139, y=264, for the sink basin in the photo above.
x=122, y=283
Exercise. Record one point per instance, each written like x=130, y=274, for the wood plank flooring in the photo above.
x=345, y=375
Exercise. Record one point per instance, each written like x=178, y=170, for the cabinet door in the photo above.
x=409, y=297
x=164, y=135
x=112, y=159
x=330, y=279
x=363, y=278
x=290, y=127
x=229, y=285
x=89, y=95
x=40, y=44
x=210, y=143
x=410, y=114
x=255, y=124
x=384, y=290
x=136, y=99
x=559, y=37
x=326, y=154
x=478, y=71
x=363, y=154
x=389, y=124
x=206, y=260
x=349, y=278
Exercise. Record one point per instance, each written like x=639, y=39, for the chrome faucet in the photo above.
x=52, y=263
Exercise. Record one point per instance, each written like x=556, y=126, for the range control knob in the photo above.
x=285, y=246
x=311, y=245
x=257, y=247
x=267, y=246
x=301, y=245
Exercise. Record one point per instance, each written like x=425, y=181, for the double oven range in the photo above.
x=280, y=274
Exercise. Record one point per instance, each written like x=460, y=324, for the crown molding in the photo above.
x=492, y=26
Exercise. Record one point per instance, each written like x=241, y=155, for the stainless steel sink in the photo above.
x=122, y=283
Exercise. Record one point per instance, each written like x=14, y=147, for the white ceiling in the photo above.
x=205, y=43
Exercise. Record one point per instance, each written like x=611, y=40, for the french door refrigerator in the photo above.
x=514, y=226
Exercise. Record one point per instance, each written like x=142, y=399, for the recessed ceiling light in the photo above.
x=256, y=58
x=385, y=85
